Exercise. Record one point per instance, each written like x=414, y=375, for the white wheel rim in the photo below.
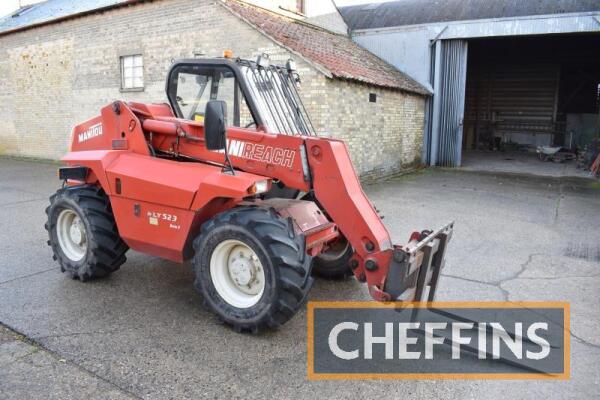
x=71, y=234
x=237, y=273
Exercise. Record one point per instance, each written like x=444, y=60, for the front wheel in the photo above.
x=252, y=268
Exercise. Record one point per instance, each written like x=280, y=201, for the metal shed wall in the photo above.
x=407, y=50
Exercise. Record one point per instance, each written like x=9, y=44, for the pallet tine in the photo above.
x=437, y=265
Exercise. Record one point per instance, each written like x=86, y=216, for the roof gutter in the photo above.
x=73, y=16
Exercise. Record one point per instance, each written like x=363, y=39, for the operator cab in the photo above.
x=193, y=86
x=257, y=95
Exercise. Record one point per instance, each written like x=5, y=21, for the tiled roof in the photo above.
x=52, y=10
x=334, y=54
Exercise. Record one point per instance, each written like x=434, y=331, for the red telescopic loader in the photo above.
x=231, y=175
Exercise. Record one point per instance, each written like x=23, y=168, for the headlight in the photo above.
x=260, y=187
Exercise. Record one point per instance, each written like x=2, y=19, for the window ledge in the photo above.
x=140, y=89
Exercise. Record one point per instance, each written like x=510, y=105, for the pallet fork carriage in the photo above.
x=231, y=175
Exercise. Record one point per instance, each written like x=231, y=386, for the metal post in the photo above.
x=437, y=104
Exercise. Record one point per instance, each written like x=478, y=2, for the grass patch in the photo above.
x=594, y=185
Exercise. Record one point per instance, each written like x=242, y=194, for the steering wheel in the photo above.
x=250, y=124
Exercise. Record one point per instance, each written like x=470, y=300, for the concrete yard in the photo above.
x=519, y=162
x=142, y=333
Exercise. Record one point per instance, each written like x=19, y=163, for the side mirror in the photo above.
x=214, y=124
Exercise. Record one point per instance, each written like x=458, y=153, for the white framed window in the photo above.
x=132, y=72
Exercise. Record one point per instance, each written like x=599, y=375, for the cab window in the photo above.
x=192, y=87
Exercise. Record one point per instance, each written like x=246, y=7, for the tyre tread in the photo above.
x=107, y=249
x=286, y=250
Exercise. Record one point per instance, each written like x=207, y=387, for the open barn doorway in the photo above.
x=525, y=93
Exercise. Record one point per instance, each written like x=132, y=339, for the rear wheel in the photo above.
x=83, y=234
x=334, y=262
x=252, y=268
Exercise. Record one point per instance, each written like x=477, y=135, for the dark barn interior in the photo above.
x=532, y=91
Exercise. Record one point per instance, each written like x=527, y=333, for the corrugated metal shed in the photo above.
x=414, y=12
x=408, y=47
x=427, y=39
x=51, y=10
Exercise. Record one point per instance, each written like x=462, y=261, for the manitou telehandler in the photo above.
x=231, y=175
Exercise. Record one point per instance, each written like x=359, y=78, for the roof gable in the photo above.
x=334, y=54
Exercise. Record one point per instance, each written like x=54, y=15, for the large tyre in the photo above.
x=252, y=268
x=334, y=263
x=83, y=234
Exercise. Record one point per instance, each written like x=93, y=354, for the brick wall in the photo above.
x=58, y=75
x=384, y=136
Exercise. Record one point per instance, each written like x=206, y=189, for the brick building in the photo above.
x=61, y=61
